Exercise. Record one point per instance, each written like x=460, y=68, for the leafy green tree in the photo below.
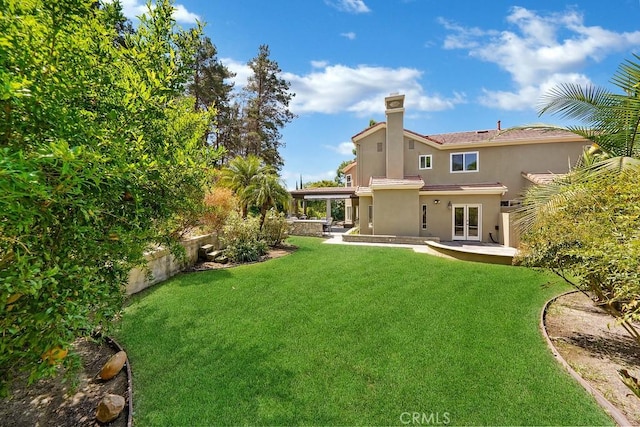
x=591, y=239
x=340, y=175
x=584, y=226
x=267, y=108
x=99, y=153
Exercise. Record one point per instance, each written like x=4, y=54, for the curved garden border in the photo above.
x=114, y=344
x=614, y=412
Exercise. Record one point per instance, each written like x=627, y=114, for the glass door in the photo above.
x=467, y=222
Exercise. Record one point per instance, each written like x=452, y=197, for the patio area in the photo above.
x=490, y=253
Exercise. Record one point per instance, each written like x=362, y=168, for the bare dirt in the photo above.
x=61, y=403
x=275, y=252
x=596, y=348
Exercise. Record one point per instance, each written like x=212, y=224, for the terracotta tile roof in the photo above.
x=488, y=136
x=407, y=181
x=349, y=166
x=541, y=178
x=494, y=135
x=464, y=187
x=323, y=190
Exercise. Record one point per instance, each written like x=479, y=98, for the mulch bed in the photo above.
x=60, y=403
x=275, y=252
x=596, y=348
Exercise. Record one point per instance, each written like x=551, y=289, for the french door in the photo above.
x=467, y=221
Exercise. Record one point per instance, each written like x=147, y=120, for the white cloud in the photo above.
x=529, y=96
x=134, y=8
x=350, y=35
x=181, y=14
x=351, y=6
x=361, y=90
x=344, y=148
x=319, y=64
x=534, y=53
x=241, y=69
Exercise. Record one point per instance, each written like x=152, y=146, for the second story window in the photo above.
x=464, y=162
x=424, y=161
x=348, y=181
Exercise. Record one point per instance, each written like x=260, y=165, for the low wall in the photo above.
x=162, y=265
x=378, y=238
x=306, y=227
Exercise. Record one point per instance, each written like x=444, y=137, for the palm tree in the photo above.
x=255, y=184
x=239, y=174
x=610, y=121
x=549, y=220
x=266, y=191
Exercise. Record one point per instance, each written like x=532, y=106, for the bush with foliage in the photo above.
x=99, y=152
x=241, y=238
x=588, y=233
x=219, y=203
x=275, y=229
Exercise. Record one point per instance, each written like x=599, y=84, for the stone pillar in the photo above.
x=328, y=209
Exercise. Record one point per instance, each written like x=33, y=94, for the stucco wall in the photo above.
x=502, y=164
x=162, y=265
x=364, y=203
x=440, y=217
x=396, y=212
x=370, y=161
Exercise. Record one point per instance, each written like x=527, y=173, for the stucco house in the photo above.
x=455, y=186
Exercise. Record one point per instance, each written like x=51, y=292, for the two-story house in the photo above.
x=456, y=186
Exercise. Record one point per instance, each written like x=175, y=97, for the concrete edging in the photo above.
x=613, y=412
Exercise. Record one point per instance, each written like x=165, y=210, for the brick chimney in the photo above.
x=395, y=136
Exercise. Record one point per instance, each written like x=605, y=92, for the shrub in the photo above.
x=241, y=238
x=275, y=228
x=219, y=203
x=99, y=151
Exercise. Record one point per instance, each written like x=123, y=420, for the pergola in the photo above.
x=322, y=193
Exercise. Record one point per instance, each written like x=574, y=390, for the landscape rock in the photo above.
x=211, y=256
x=113, y=366
x=222, y=259
x=109, y=408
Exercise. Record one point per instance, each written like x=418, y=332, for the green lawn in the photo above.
x=349, y=335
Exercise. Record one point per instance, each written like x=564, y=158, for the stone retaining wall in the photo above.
x=308, y=227
x=163, y=265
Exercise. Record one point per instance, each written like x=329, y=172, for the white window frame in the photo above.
x=464, y=162
x=425, y=156
x=423, y=217
x=348, y=180
x=370, y=212
x=348, y=213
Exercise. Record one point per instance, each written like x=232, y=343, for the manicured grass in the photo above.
x=349, y=335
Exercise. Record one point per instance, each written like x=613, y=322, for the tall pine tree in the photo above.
x=267, y=109
x=211, y=89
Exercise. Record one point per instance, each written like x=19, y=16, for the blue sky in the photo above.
x=463, y=65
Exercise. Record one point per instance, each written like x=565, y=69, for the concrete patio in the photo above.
x=461, y=250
